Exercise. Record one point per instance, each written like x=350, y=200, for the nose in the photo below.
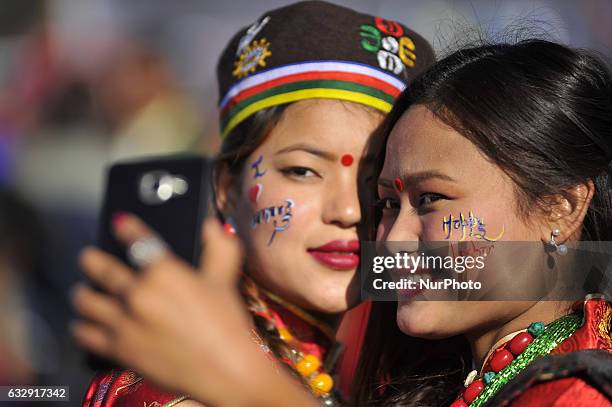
x=342, y=204
x=405, y=227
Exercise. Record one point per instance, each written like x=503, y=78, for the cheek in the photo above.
x=254, y=193
x=468, y=222
x=384, y=227
x=305, y=213
x=275, y=216
x=432, y=227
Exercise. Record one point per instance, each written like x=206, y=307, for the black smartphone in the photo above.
x=172, y=195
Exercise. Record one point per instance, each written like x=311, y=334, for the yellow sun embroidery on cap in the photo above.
x=253, y=56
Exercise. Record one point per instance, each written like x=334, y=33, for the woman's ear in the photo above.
x=225, y=195
x=567, y=211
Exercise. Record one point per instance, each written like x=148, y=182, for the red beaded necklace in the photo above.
x=511, y=357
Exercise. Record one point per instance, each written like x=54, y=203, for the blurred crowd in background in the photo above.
x=84, y=83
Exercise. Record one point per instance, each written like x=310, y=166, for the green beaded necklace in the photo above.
x=554, y=333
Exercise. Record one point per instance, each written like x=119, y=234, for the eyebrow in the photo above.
x=308, y=149
x=416, y=178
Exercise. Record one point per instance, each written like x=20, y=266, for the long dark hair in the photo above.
x=540, y=111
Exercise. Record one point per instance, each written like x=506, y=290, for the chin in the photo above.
x=420, y=319
x=331, y=292
x=334, y=298
x=336, y=304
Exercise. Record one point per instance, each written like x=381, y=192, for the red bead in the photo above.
x=473, y=390
x=459, y=403
x=501, y=358
x=519, y=343
x=346, y=160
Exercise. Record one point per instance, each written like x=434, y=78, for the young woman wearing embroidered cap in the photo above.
x=302, y=90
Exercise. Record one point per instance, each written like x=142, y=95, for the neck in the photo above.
x=331, y=320
x=326, y=323
x=543, y=311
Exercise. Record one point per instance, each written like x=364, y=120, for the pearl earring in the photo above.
x=561, y=248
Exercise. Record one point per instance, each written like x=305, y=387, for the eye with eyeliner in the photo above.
x=387, y=203
x=429, y=198
x=425, y=202
x=299, y=172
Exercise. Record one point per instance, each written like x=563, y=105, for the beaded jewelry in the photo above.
x=507, y=362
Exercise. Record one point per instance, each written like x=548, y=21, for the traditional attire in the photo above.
x=120, y=388
x=577, y=371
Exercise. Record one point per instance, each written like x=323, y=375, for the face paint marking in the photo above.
x=466, y=224
x=286, y=219
x=399, y=184
x=255, y=166
x=272, y=213
x=255, y=192
x=347, y=160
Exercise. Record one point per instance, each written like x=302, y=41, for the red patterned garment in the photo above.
x=119, y=388
x=576, y=373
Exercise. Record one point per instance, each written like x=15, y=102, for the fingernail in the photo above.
x=119, y=218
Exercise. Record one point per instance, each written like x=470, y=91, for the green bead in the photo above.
x=536, y=328
x=488, y=377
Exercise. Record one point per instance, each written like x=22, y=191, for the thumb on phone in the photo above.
x=221, y=254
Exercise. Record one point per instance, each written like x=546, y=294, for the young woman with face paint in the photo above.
x=302, y=90
x=444, y=133
x=520, y=136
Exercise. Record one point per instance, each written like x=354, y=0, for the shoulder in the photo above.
x=595, y=332
x=562, y=392
x=580, y=378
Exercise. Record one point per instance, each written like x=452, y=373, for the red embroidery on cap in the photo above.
x=389, y=27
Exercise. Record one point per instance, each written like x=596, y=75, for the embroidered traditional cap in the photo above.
x=312, y=50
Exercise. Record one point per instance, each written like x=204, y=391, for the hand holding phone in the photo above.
x=171, y=195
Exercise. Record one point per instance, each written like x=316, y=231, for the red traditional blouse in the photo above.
x=118, y=388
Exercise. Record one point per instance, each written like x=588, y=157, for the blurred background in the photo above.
x=86, y=82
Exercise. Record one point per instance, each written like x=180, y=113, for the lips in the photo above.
x=406, y=294
x=338, y=254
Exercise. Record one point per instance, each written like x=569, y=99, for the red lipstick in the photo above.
x=338, y=254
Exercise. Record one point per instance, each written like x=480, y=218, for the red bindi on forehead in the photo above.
x=347, y=160
x=399, y=184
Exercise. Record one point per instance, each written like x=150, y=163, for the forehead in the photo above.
x=327, y=124
x=420, y=141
